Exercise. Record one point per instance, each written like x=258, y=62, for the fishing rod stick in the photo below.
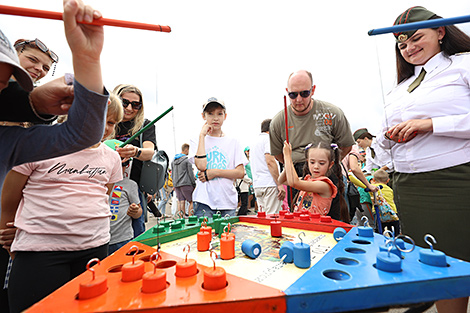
x=420, y=25
x=5, y=9
x=145, y=128
x=285, y=113
x=287, y=140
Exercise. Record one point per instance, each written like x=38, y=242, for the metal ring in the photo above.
x=405, y=237
x=213, y=259
x=88, y=268
x=388, y=232
x=136, y=251
x=366, y=222
x=187, y=252
x=153, y=259
x=301, y=242
x=426, y=240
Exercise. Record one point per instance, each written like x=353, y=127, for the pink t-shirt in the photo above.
x=312, y=201
x=345, y=161
x=65, y=205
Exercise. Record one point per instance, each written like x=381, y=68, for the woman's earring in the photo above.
x=440, y=42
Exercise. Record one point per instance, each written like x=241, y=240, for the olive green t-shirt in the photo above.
x=325, y=122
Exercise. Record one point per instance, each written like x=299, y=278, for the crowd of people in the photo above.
x=412, y=172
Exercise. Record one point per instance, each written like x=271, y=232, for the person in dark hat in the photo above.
x=427, y=128
x=376, y=157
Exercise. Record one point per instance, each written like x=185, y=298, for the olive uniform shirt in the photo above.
x=325, y=122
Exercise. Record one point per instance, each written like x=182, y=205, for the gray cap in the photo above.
x=213, y=100
x=8, y=55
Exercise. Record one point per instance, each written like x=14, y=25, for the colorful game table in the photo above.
x=343, y=275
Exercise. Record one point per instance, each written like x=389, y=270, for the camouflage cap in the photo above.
x=359, y=132
x=413, y=14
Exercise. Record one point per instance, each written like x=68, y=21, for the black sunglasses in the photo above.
x=41, y=46
x=136, y=105
x=303, y=94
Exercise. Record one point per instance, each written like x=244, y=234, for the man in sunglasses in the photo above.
x=309, y=120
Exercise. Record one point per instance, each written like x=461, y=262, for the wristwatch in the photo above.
x=139, y=152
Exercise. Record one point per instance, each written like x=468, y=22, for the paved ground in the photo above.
x=152, y=221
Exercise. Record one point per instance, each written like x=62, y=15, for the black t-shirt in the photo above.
x=148, y=135
x=14, y=102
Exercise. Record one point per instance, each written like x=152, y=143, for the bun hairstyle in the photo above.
x=138, y=120
x=335, y=156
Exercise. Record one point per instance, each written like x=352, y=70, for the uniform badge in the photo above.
x=402, y=37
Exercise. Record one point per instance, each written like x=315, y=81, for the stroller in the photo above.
x=384, y=215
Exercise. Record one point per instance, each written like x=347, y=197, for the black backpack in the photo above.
x=153, y=175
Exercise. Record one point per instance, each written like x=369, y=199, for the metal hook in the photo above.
x=154, y=259
x=136, y=251
x=387, y=232
x=187, y=252
x=88, y=268
x=213, y=259
x=365, y=220
x=226, y=216
x=389, y=249
x=404, y=237
x=427, y=237
x=301, y=233
x=218, y=212
x=204, y=221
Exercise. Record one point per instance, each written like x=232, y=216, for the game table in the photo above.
x=343, y=275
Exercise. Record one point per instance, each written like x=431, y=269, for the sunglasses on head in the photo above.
x=41, y=46
x=303, y=94
x=136, y=105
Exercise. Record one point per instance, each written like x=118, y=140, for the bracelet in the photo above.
x=31, y=104
x=205, y=175
x=200, y=156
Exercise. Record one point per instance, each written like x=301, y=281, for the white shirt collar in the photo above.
x=431, y=64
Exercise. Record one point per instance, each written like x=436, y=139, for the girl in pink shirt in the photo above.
x=316, y=190
x=61, y=212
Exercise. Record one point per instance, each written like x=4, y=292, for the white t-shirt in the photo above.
x=259, y=168
x=65, y=206
x=222, y=153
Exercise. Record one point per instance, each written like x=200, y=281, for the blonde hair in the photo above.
x=115, y=110
x=138, y=120
x=380, y=176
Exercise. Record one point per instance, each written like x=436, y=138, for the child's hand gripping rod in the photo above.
x=378, y=221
